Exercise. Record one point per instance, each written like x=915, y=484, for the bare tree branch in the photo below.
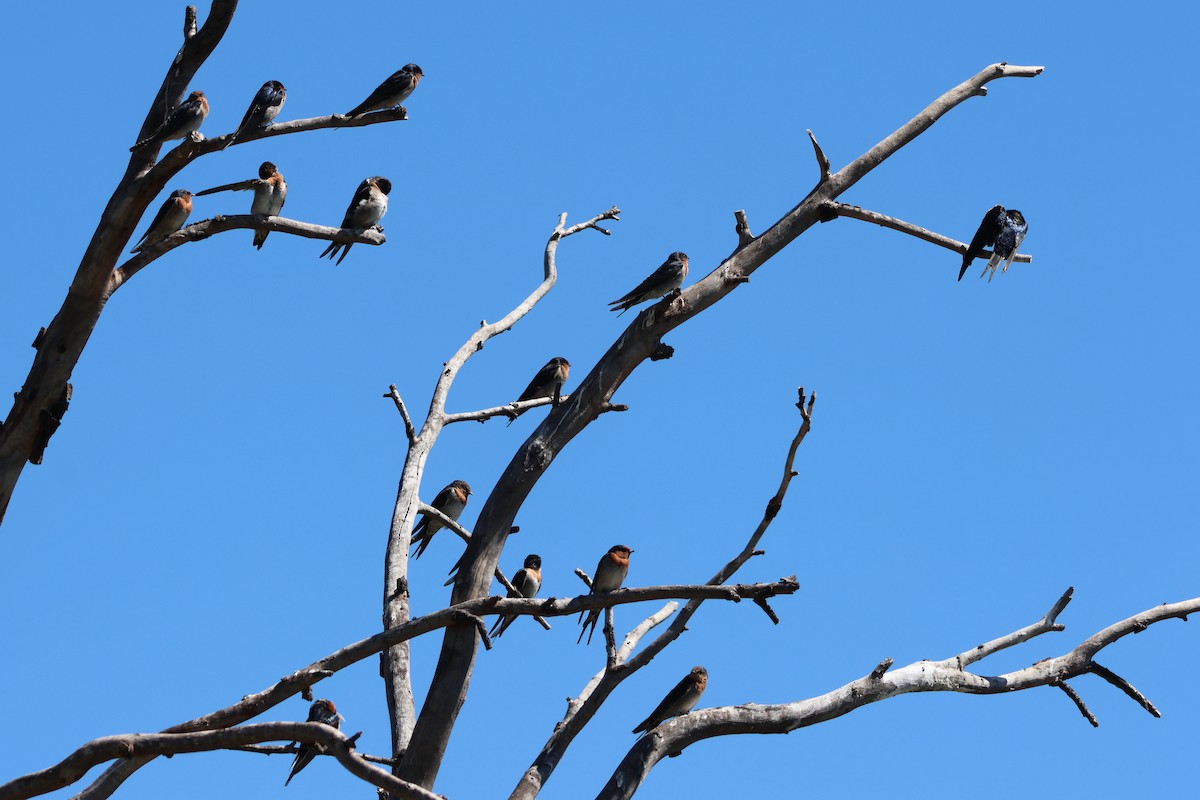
x=672, y=737
x=223, y=223
x=409, y=430
x=855, y=212
x=150, y=745
x=1046, y=624
x=464, y=613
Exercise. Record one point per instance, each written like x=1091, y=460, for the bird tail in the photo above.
x=593, y=618
x=260, y=238
x=330, y=251
x=345, y=253
x=963, y=271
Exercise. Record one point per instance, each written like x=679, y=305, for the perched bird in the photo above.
x=1003, y=231
x=547, y=383
x=610, y=574
x=527, y=581
x=270, y=192
x=366, y=208
x=392, y=92
x=450, y=501
x=264, y=108
x=662, y=281
x=320, y=711
x=184, y=120
x=170, y=218
x=680, y=700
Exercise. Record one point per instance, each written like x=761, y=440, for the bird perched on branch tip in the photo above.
x=367, y=207
x=392, y=92
x=1003, y=230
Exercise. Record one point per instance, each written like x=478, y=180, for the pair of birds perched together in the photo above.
x=367, y=207
x=1003, y=230
x=680, y=700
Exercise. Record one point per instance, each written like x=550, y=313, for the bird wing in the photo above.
x=985, y=236
x=664, y=709
x=361, y=195
x=664, y=273
x=239, y=186
x=395, y=84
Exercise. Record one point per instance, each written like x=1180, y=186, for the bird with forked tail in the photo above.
x=610, y=574
x=367, y=207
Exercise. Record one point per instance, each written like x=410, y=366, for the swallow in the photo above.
x=392, y=92
x=1003, y=230
x=680, y=700
x=547, y=383
x=527, y=582
x=270, y=193
x=610, y=574
x=183, y=121
x=661, y=282
x=170, y=218
x=450, y=501
x=264, y=108
x=320, y=711
x=366, y=209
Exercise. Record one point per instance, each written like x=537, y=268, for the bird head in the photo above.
x=533, y=560
x=266, y=169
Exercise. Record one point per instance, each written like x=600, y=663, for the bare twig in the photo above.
x=508, y=410
x=409, y=430
x=1046, y=624
x=1077, y=700
x=742, y=228
x=822, y=159
x=1126, y=687
x=855, y=212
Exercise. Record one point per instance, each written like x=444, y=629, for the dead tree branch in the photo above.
x=672, y=737
x=298, y=682
x=855, y=212
x=151, y=745
x=223, y=223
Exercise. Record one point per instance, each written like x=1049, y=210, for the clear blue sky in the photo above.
x=213, y=513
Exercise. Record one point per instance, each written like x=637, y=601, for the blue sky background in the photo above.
x=213, y=513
